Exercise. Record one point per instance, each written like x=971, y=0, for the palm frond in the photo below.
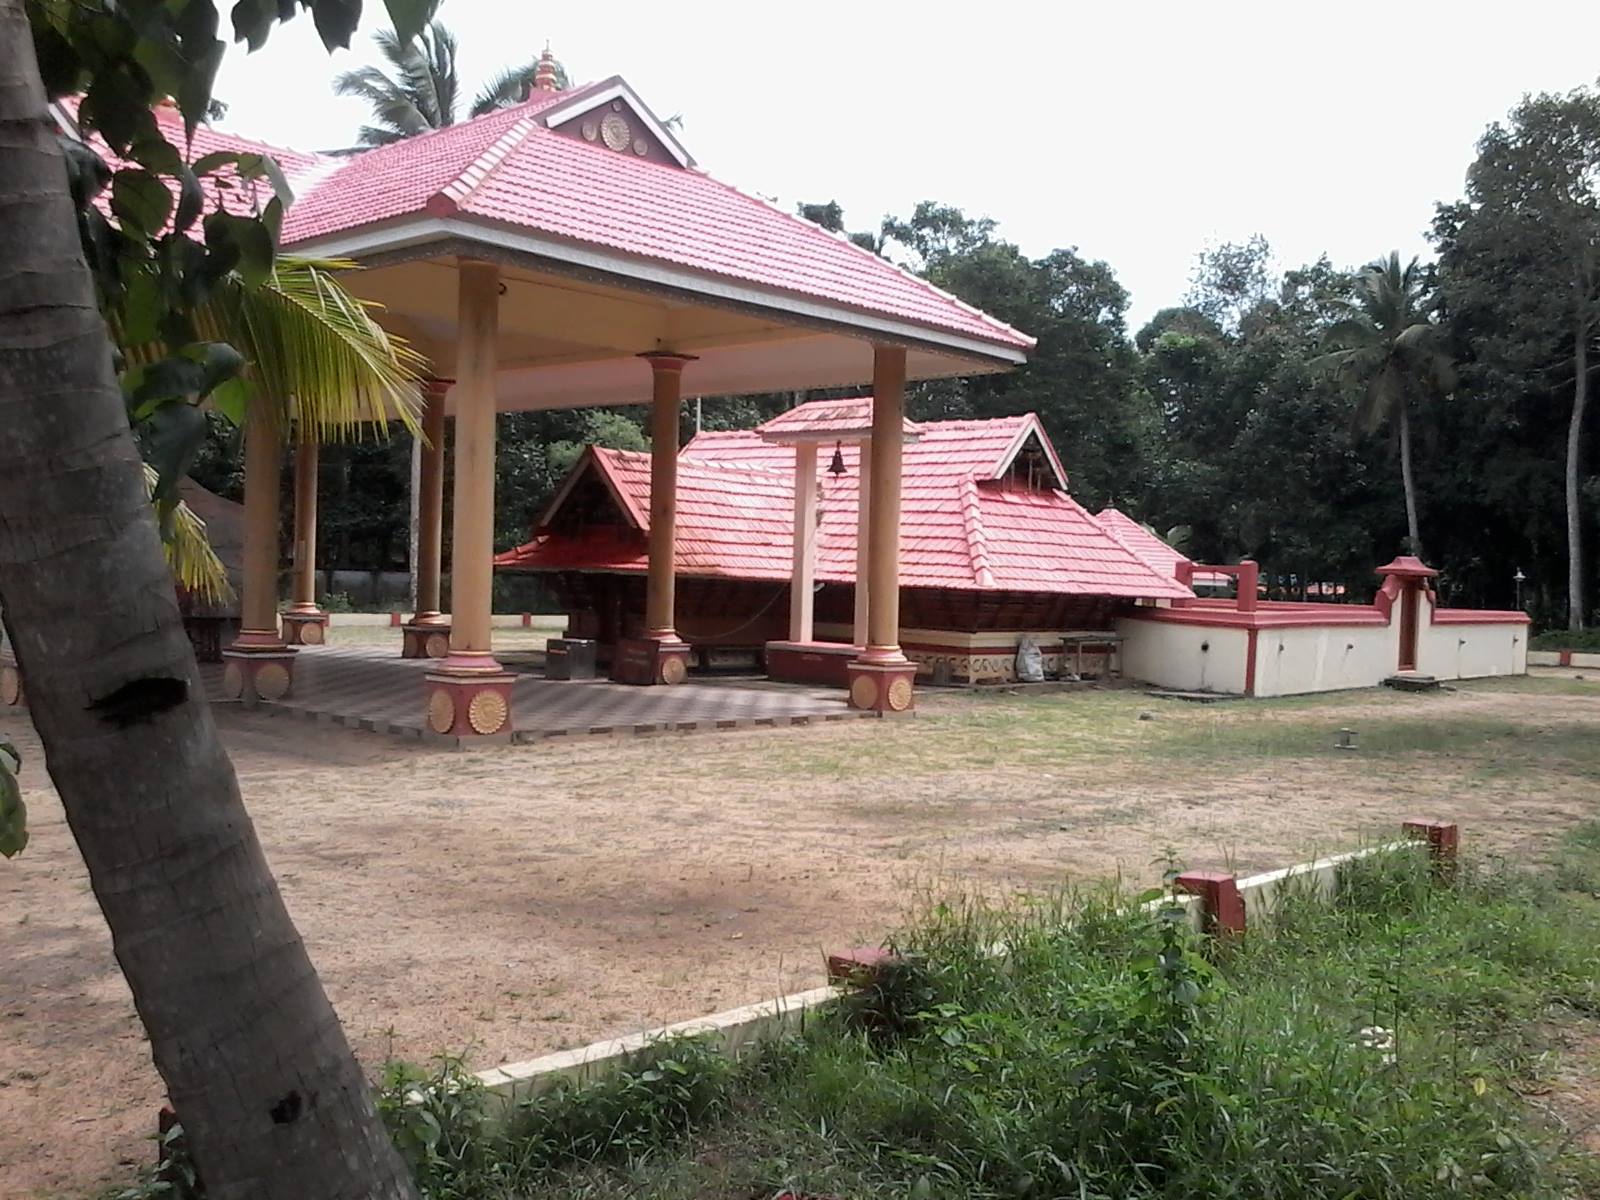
x=194, y=563
x=317, y=353
x=509, y=87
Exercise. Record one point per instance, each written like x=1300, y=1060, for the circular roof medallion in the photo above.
x=615, y=133
x=591, y=130
x=641, y=147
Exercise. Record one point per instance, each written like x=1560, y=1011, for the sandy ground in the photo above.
x=514, y=901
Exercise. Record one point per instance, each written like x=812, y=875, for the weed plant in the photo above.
x=1084, y=1045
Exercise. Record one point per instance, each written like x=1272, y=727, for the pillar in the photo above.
x=863, y=538
x=259, y=666
x=427, y=634
x=661, y=656
x=802, y=578
x=304, y=624
x=469, y=695
x=881, y=679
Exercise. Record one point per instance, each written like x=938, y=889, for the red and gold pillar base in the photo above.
x=11, y=694
x=650, y=660
x=886, y=688
x=251, y=674
x=425, y=639
x=469, y=704
x=305, y=627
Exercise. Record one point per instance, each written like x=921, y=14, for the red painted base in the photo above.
x=824, y=663
x=11, y=693
x=1220, y=902
x=646, y=661
x=858, y=965
x=469, y=705
x=305, y=627
x=1444, y=844
x=252, y=674
x=883, y=688
x=425, y=639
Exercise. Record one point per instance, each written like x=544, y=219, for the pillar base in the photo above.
x=469, y=704
x=252, y=674
x=305, y=627
x=423, y=638
x=650, y=660
x=11, y=694
x=885, y=688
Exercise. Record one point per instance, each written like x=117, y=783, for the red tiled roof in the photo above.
x=240, y=197
x=960, y=527
x=1161, y=557
x=507, y=169
x=851, y=417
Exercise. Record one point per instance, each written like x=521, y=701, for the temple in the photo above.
x=568, y=251
x=770, y=548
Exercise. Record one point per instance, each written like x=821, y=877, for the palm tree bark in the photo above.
x=1406, y=482
x=1576, y=611
x=255, y=1062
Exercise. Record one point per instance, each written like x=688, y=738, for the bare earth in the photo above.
x=517, y=900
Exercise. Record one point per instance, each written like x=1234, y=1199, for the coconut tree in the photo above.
x=421, y=89
x=314, y=356
x=1386, y=345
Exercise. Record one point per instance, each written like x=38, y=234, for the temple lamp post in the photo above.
x=1518, y=579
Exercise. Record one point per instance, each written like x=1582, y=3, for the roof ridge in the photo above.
x=447, y=201
x=977, y=540
x=1115, y=535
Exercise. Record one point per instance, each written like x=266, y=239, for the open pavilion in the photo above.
x=569, y=252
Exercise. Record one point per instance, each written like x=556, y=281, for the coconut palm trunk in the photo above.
x=240, y=1028
x=1407, y=483
x=1580, y=400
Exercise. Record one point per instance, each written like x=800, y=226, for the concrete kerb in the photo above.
x=1563, y=658
x=732, y=1032
x=738, y=1029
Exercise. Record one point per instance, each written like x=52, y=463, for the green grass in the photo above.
x=981, y=733
x=1108, y=1055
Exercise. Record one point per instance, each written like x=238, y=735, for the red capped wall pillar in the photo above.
x=1444, y=845
x=259, y=665
x=667, y=660
x=427, y=634
x=304, y=624
x=469, y=694
x=1221, y=905
x=881, y=680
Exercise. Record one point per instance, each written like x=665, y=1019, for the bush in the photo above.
x=1584, y=640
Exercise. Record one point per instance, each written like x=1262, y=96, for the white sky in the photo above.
x=1138, y=132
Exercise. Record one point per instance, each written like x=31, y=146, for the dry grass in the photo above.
x=520, y=899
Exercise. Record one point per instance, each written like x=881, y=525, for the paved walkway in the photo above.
x=371, y=688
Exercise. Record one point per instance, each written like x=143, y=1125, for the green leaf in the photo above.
x=191, y=199
x=228, y=399
x=408, y=17
x=336, y=20
x=140, y=201
x=252, y=21
x=141, y=306
x=254, y=166
x=177, y=431
x=242, y=243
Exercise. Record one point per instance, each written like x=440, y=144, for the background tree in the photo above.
x=240, y=1028
x=421, y=90
x=1520, y=279
x=1390, y=349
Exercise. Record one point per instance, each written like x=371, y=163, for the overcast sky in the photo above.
x=1138, y=133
